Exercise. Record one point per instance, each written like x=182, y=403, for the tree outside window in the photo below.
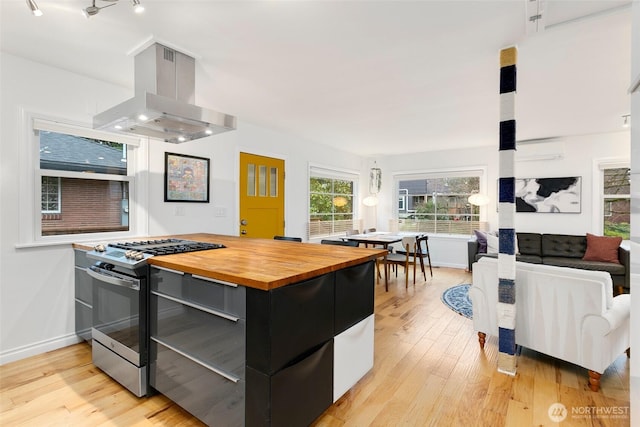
x=439, y=205
x=331, y=202
x=616, y=202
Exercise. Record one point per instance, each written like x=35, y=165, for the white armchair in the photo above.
x=566, y=313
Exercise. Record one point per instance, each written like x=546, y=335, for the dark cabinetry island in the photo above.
x=262, y=332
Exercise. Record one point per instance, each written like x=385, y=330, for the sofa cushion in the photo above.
x=530, y=244
x=562, y=245
x=531, y=259
x=609, y=267
x=481, y=237
x=602, y=248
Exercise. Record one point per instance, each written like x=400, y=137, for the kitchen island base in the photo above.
x=265, y=357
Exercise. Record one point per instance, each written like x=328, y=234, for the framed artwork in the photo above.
x=553, y=195
x=186, y=178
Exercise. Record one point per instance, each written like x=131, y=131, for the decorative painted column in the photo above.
x=506, y=214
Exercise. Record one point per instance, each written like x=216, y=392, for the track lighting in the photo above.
x=625, y=120
x=137, y=7
x=34, y=8
x=93, y=9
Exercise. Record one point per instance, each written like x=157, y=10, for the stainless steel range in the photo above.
x=120, y=333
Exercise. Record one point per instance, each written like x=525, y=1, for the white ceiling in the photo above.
x=370, y=77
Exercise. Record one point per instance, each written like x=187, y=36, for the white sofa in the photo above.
x=566, y=313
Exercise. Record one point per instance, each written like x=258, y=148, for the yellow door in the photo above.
x=261, y=196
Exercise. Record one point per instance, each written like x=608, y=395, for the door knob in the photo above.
x=243, y=222
x=243, y=231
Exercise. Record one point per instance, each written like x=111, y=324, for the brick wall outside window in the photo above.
x=88, y=206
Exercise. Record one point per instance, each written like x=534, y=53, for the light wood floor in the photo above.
x=428, y=370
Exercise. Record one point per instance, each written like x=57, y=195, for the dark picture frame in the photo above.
x=186, y=178
x=549, y=195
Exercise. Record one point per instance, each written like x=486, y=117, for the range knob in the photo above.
x=99, y=248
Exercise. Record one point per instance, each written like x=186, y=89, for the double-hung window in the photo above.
x=438, y=202
x=332, y=201
x=616, y=201
x=83, y=181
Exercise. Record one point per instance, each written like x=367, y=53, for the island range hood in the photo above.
x=163, y=105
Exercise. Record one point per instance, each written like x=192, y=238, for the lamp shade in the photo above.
x=478, y=199
x=370, y=201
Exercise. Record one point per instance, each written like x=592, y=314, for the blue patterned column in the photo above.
x=506, y=214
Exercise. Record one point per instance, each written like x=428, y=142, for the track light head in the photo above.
x=34, y=8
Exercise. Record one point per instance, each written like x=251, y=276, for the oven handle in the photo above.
x=127, y=283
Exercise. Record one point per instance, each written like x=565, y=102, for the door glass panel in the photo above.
x=262, y=181
x=251, y=179
x=273, y=182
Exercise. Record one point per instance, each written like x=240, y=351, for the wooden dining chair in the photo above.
x=422, y=243
x=421, y=252
x=403, y=258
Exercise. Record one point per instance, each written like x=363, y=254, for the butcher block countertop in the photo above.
x=261, y=263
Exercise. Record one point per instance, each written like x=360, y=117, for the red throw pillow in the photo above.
x=602, y=248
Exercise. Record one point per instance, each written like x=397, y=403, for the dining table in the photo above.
x=378, y=238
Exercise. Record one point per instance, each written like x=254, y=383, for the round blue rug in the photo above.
x=457, y=299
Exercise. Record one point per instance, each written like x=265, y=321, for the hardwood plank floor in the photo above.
x=428, y=371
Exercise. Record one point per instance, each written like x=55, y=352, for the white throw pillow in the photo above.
x=493, y=243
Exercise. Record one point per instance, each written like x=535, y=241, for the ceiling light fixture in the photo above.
x=625, y=120
x=478, y=199
x=137, y=7
x=34, y=8
x=89, y=11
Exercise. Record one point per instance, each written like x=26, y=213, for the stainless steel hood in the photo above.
x=163, y=105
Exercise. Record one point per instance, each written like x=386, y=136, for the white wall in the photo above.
x=36, y=284
x=578, y=154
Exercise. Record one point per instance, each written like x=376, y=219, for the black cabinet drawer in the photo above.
x=286, y=323
x=296, y=395
x=217, y=295
x=214, y=399
x=80, y=258
x=83, y=285
x=354, y=295
x=216, y=339
x=84, y=320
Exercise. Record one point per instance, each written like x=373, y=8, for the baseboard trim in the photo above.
x=34, y=349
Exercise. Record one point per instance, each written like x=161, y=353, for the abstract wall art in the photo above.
x=552, y=195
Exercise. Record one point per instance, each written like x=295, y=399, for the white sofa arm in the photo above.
x=619, y=312
x=612, y=319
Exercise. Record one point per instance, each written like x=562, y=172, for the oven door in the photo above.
x=119, y=313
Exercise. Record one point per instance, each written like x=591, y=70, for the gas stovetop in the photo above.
x=134, y=254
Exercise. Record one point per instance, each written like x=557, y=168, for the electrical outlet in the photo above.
x=179, y=211
x=220, y=212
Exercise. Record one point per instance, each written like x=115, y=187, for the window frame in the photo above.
x=328, y=172
x=31, y=179
x=471, y=171
x=598, y=213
